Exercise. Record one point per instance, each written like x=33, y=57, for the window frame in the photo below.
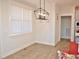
x=25, y=7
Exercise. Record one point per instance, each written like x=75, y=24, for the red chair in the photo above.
x=73, y=49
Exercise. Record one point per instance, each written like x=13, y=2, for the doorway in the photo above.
x=65, y=27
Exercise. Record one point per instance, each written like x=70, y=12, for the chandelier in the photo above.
x=41, y=13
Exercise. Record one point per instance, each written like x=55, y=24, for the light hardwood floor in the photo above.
x=40, y=51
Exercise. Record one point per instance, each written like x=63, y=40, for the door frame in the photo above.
x=71, y=24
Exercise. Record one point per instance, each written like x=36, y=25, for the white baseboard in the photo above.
x=52, y=44
x=16, y=50
x=66, y=37
x=57, y=42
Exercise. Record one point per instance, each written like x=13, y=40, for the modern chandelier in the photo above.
x=41, y=13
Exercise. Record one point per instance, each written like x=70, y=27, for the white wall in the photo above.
x=57, y=24
x=12, y=44
x=63, y=10
x=0, y=27
x=77, y=13
x=45, y=32
x=68, y=10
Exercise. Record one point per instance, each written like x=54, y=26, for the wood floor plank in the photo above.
x=40, y=51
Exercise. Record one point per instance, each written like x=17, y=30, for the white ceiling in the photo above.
x=66, y=2
x=59, y=2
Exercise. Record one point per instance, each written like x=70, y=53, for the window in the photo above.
x=20, y=20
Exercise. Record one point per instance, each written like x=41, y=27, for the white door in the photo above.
x=66, y=27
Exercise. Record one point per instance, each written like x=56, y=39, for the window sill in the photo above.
x=19, y=34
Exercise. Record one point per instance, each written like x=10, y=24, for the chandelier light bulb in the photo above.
x=41, y=13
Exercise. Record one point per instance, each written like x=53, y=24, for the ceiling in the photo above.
x=66, y=2
x=59, y=2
